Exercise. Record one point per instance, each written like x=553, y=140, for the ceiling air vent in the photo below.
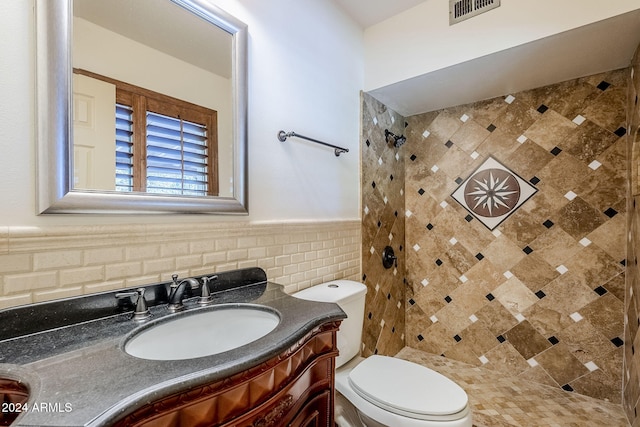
x=459, y=10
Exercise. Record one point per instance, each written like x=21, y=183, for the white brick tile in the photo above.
x=57, y=259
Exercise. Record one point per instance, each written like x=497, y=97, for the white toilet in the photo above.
x=382, y=391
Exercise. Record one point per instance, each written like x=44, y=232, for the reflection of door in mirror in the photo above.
x=94, y=151
x=156, y=46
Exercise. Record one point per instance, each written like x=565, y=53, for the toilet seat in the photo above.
x=408, y=389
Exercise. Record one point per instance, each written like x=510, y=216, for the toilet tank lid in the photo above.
x=337, y=291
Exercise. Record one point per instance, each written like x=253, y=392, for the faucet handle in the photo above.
x=174, y=278
x=142, y=312
x=206, y=298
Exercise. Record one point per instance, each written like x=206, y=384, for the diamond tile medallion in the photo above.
x=493, y=192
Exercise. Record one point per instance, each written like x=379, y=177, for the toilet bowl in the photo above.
x=381, y=391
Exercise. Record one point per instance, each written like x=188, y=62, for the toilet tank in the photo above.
x=349, y=295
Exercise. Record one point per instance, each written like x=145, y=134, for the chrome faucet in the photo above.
x=178, y=290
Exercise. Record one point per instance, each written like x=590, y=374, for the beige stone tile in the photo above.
x=503, y=253
x=528, y=159
x=610, y=237
x=457, y=163
x=526, y=340
x=560, y=364
x=608, y=110
x=496, y=318
x=555, y=246
x=469, y=136
x=567, y=294
x=578, y=218
x=505, y=359
x=565, y=173
x=605, y=314
x=514, y=296
x=517, y=117
x=547, y=321
x=534, y=272
x=445, y=124
x=550, y=130
x=585, y=342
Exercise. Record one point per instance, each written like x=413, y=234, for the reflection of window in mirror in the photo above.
x=152, y=142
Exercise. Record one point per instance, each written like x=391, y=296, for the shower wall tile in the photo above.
x=631, y=357
x=541, y=296
x=383, y=224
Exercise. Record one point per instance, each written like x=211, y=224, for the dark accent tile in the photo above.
x=413, y=157
x=370, y=315
x=391, y=177
x=600, y=290
x=449, y=144
x=621, y=131
x=438, y=262
x=388, y=296
x=501, y=338
x=448, y=299
x=623, y=262
x=542, y=108
x=459, y=180
x=373, y=184
x=368, y=143
x=527, y=250
x=379, y=224
x=553, y=340
x=420, y=338
x=617, y=342
x=567, y=387
x=458, y=338
x=490, y=297
x=364, y=277
x=556, y=151
x=395, y=214
x=603, y=85
x=412, y=301
x=540, y=294
x=429, y=226
x=468, y=218
x=406, y=124
x=375, y=351
x=479, y=256
x=400, y=248
x=491, y=128
x=534, y=180
x=611, y=212
x=548, y=223
x=393, y=330
x=421, y=191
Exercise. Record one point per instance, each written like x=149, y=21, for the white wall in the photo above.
x=305, y=74
x=430, y=44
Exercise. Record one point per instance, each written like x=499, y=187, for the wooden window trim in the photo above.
x=142, y=100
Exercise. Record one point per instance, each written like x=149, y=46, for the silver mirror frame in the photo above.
x=54, y=153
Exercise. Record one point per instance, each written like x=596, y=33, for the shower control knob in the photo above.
x=389, y=258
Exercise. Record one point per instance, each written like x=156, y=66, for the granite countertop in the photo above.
x=78, y=374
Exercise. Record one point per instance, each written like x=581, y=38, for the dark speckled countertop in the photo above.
x=69, y=353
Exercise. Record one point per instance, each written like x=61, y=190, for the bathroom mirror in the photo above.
x=206, y=53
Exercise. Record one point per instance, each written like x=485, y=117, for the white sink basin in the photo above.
x=202, y=333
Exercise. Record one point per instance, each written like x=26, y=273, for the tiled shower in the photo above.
x=541, y=295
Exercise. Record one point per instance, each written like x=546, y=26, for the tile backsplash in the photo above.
x=541, y=295
x=38, y=264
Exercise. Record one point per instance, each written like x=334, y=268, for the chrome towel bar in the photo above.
x=282, y=137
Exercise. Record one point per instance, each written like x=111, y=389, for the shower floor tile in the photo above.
x=499, y=401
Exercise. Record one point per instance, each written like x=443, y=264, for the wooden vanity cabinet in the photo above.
x=295, y=388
